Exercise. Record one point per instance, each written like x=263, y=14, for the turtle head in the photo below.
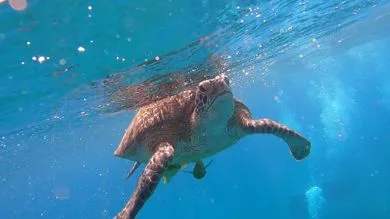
x=214, y=98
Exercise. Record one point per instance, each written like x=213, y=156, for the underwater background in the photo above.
x=321, y=67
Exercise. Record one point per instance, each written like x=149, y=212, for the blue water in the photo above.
x=320, y=67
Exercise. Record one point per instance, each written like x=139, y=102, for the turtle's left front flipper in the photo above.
x=148, y=180
x=299, y=146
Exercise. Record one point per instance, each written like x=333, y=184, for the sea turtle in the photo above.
x=190, y=126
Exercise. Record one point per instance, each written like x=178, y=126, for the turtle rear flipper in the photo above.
x=199, y=170
x=133, y=169
x=148, y=181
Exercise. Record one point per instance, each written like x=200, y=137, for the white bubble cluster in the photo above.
x=315, y=200
x=81, y=49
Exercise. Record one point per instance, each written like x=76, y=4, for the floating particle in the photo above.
x=81, y=49
x=48, y=57
x=22, y=63
x=18, y=5
x=34, y=58
x=62, y=61
x=90, y=7
x=61, y=192
x=277, y=99
x=123, y=59
x=91, y=41
x=129, y=39
x=28, y=43
x=41, y=59
x=157, y=58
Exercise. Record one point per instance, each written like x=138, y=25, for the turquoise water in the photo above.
x=321, y=67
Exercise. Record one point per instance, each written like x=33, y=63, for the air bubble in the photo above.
x=81, y=49
x=62, y=61
x=41, y=59
x=18, y=5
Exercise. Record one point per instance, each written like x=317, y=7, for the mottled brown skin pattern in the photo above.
x=160, y=131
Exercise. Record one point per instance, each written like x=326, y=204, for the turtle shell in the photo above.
x=168, y=119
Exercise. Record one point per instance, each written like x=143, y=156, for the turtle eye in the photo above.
x=227, y=81
x=204, y=99
x=202, y=88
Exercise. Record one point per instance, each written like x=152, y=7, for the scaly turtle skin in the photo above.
x=188, y=127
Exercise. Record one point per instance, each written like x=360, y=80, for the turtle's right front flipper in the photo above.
x=148, y=180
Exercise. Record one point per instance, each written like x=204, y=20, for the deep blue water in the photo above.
x=320, y=67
